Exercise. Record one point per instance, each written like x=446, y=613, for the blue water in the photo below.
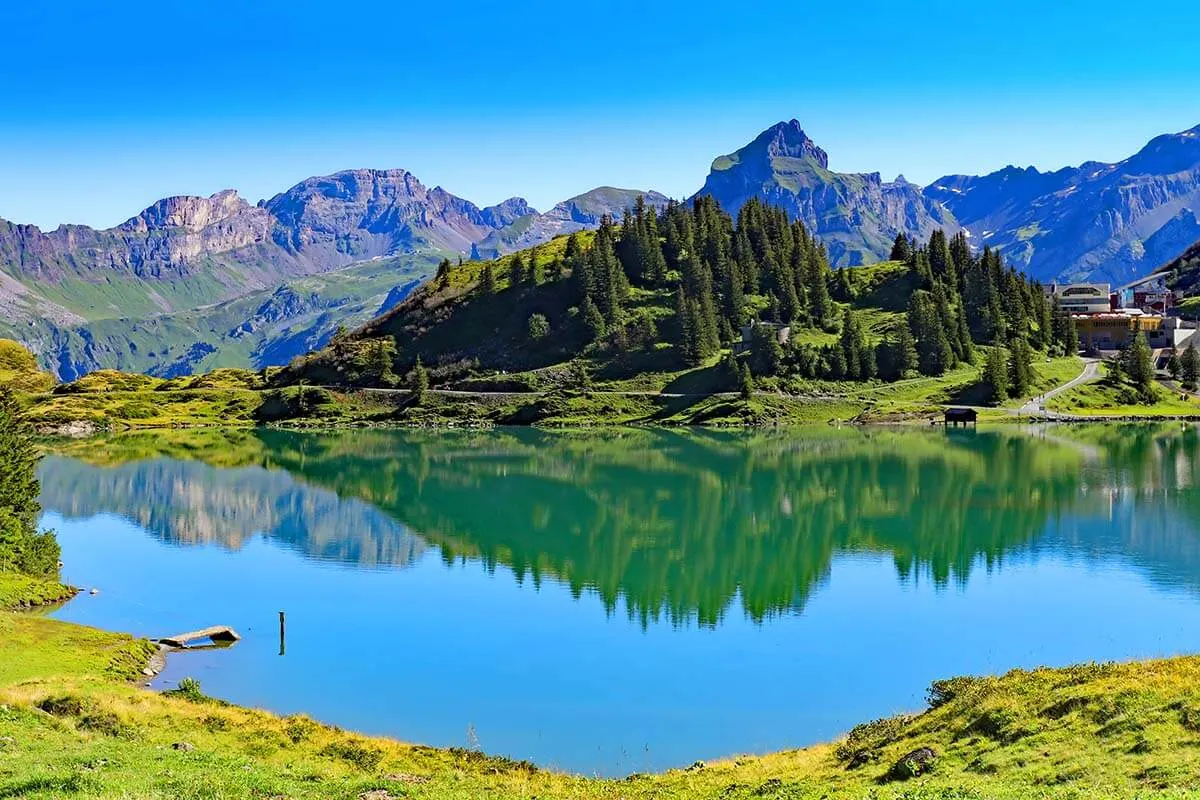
x=470, y=631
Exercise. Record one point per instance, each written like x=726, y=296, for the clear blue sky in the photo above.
x=106, y=109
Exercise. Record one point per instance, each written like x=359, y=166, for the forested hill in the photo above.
x=665, y=292
x=1183, y=276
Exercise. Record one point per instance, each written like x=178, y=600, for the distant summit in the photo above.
x=581, y=212
x=787, y=140
x=856, y=216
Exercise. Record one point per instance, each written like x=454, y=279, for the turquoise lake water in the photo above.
x=621, y=601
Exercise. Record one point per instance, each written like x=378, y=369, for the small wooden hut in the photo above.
x=961, y=416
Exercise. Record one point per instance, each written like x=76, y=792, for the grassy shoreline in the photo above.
x=112, y=401
x=74, y=724
x=19, y=591
x=115, y=401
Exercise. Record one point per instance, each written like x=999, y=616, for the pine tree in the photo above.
x=1189, y=367
x=443, y=273
x=535, y=271
x=856, y=351
x=837, y=362
x=733, y=297
x=765, y=350
x=1045, y=320
x=933, y=348
x=948, y=323
x=22, y=547
x=420, y=383
x=1064, y=336
x=573, y=249
x=609, y=285
x=654, y=265
x=538, y=327
x=960, y=255
x=731, y=371
x=746, y=382
x=966, y=346
x=820, y=303
x=516, y=274
x=939, y=258
x=1116, y=370
x=975, y=297
x=1139, y=364
x=845, y=291
x=901, y=249
x=487, y=283
x=995, y=374
x=906, y=351
x=1174, y=366
x=383, y=351
x=868, y=365
x=593, y=320
x=1020, y=368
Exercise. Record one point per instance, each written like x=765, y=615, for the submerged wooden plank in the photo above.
x=216, y=633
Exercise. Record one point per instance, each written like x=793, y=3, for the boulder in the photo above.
x=912, y=764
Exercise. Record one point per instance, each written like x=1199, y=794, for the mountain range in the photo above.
x=194, y=283
x=201, y=282
x=1098, y=221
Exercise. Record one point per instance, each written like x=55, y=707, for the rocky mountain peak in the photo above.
x=856, y=216
x=192, y=214
x=1169, y=153
x=506, y=212
x=788, y=140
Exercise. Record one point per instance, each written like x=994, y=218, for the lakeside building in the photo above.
x=1113, y=330
x=1082, y=298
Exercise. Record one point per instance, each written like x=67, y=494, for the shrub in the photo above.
x=539, y=327
x=189, y=689
x=299, y=728
x=63, y=706
x=105, y=723
x=363, y=756
x=943, y=691
x=869, y=737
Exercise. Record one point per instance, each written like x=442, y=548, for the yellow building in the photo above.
x=1111, y=331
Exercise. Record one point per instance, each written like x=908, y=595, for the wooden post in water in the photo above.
x=282, y=631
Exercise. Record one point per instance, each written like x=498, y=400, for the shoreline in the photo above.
x=1002, y=418
x=1021, y=723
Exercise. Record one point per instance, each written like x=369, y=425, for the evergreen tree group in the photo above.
x=1137, y=365
x=22, y=547
x=1189, y=367
x=725, y=273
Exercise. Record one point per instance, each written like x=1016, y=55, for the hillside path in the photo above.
x=1037, y=405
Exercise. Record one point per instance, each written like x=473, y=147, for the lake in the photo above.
x=630, y=600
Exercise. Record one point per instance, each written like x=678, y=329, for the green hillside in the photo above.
x=1183, y=276
x=657, y=305
x=20, y=371
x=260, y=328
